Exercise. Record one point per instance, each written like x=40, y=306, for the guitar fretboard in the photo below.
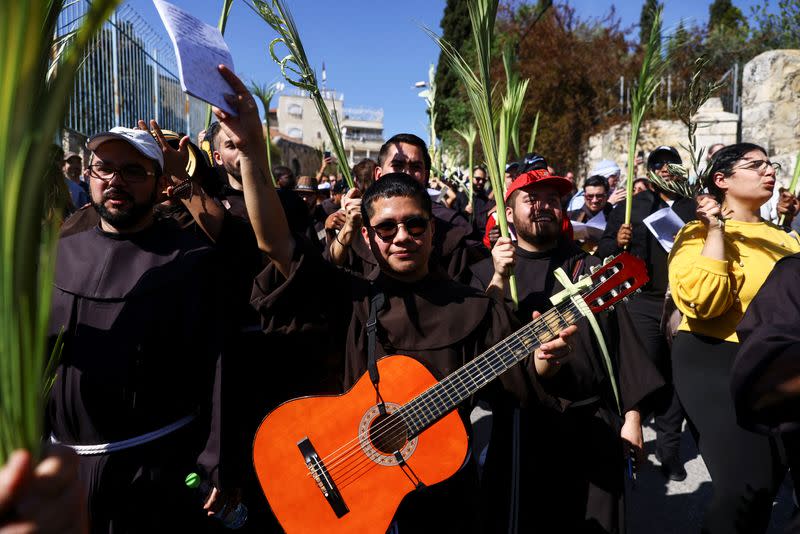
x=437, y=401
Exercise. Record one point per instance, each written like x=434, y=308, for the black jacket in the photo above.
x=643, y=242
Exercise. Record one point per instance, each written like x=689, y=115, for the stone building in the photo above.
x=770, y=117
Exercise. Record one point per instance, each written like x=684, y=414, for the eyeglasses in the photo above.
x=598, y=196
x=658, y=165
x=132, y=174
x=415, y=226
x=759, y=165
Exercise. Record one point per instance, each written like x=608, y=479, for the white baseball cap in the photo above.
x=141, y=140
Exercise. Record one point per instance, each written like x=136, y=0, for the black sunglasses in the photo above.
x=659, y=164
x=415, y=226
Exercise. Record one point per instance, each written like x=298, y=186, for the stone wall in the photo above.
x=714, y=126
x=770, y=118
x=771, y=106
x=302, y=159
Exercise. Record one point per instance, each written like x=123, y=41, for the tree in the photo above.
x=781, y=30
x=646, y=19
x=452, y=110
x=724, y=16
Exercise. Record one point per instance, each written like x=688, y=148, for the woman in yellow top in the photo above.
x=716, y=266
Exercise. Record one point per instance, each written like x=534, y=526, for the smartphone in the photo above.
x=326, y=154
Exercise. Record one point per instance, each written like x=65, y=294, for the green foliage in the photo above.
x=451, y=109
x=297, y=70
x=265, y=93
x=38, y=76
x=653, y=66
x=482, y=14
x=724, y=16
x=777, y=30
x=649, y=8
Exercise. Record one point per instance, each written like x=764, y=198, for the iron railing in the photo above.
x=129, y=72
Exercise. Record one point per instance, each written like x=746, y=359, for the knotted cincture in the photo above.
x=573, y=292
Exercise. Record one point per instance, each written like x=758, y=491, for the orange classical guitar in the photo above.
x=343, y=463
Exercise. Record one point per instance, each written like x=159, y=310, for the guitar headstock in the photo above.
x=615, y=280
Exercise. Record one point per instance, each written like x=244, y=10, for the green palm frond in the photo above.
x=469, y=135
x=296, y=69
x=534, y=131
x=265, y=93
x=653, y=66
x=38, y=75
x=478, y=86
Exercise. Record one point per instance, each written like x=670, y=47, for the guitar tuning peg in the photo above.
x=593, y=269
x=607, y=260
x=624, y=299
x=611, y=308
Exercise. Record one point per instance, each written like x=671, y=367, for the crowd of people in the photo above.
x=193, y=294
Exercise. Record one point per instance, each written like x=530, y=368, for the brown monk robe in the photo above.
x=136, y=301
x=300, y=289
x=568, y=475
x=434, y=319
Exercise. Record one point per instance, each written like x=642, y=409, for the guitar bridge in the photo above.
x=321, y=476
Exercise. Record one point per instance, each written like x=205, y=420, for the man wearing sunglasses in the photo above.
x=563, y=495
x=136, y=394
x=424, y=314
x=454, y=249
x=647, y=307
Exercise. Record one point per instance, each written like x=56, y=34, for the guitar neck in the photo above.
x=437, y=401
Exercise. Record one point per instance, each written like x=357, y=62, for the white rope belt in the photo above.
x=104, y=448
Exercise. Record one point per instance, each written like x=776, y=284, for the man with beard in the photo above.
x=565, y=485
x=426, y=314
x=72, y=175
x=453, y=248
x=646, y=308
x=481, y=204
x=137, y=393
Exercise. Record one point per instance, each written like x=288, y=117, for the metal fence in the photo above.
x=129, y=72
x=671, y=88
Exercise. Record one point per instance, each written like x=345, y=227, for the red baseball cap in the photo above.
x=543, y=177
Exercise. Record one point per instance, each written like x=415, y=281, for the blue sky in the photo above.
x=374, y=50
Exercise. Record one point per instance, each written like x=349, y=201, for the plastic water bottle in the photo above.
x=230, y=518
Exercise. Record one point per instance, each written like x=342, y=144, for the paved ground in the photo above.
x=656, y=506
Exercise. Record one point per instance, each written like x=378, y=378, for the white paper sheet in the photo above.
x=592, y=229
x=199, y=49
x=664, y=224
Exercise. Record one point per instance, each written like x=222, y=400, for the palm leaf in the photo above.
x=534, y=131
x=38, y=75
x=296, y=69
x=266, y=93
x=478, y=86
x=653, y=66
x=469, y=134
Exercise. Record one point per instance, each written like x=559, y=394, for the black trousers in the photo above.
x=646, y=312
x=746, y=469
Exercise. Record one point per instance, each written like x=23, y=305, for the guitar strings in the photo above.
x=540, y=326
x=362, y=459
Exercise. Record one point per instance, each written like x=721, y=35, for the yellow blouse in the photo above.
x=714, y=294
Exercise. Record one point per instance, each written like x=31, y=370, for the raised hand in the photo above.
x=244, y=130
x=174, y=160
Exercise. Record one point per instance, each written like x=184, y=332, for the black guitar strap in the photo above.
x=376, y=302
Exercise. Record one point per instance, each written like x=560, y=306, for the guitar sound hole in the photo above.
x=388, y=433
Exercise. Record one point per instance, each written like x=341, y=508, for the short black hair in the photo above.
x=278, y=171
x=211, y=134
x=723, y=161
x=480, y=168
x=409, y=139
x=596, y=180
x=395, y=184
